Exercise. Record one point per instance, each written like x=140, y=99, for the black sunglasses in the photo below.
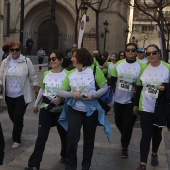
x=15, y=49
x=153, y=53
x=122, y=55
x=132, y=50
x=52, y=58
x=140, y=52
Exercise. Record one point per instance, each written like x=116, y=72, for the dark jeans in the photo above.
x=40, y=61
x=124, y=120
x=29, y=49
x=16, y=111
x=2, y=146
x=47, y=119
x=149, y=131
x=75, y=120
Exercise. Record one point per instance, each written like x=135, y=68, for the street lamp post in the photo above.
x=51, y=41
x=126, y=35
x=22, y=22
x=144, y=39
x=106, y=31
x=134, y=40
x=167, y=48
x=83, y=9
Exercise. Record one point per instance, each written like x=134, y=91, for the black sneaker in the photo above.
x=141, y=167
x=31, y=168
x=124, y=154
x=154, y=160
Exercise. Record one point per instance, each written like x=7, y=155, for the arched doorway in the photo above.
x=44, y=36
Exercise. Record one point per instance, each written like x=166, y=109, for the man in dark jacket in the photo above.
x=29, y=44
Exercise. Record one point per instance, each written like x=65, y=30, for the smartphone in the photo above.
x=85, y=96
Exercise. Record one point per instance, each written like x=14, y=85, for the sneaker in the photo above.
x=154, y=160
x=141, y=167
x=31, y=168
x=124, y=153
x=15, y=145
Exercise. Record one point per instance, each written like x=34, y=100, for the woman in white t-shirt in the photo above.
x=17, y=76
x=110, y=63
x=150, y=84
x=83, y=106
x=51, y=107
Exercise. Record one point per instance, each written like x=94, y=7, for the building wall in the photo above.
x=37, y=11
x=140, y=21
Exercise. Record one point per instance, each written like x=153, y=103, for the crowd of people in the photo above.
x=68, y=99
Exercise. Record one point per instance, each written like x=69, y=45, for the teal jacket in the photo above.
x=94, y=102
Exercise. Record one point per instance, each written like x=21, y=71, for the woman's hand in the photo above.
x=56, y=100
x=135, y=110
x=161, y=87
x=77, y=95
x=35, y=110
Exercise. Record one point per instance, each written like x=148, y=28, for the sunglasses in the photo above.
x=15, y=49
x=153, y=53
x=140, y=52
x=132, y=50
x=52, y=58
x=122, y=55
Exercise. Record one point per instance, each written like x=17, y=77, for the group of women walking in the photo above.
x=69, y=101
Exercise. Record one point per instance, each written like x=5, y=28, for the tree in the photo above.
x=159, y=18
x=98, y=7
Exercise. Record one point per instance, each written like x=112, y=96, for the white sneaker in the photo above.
x=15, y=145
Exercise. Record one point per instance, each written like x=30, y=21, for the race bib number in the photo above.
x=125, y=86
x=152, y=91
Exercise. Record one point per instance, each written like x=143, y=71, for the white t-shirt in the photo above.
x=127, y=74
x=150, y=79
x=52, y=82
x=84, y=82
x=13, y=80
x=144, y=60
x=110, y=66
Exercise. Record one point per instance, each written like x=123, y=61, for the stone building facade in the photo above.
x=37, y=16
x=145, y=28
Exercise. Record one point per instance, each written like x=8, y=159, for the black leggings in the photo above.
x=124, y=120
x=149, y=131
x=16, y=111
x=75, y=121
x=2, y=145
x=47, y=120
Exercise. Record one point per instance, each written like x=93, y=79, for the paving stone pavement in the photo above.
x=106, y=155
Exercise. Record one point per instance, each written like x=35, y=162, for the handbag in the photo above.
x=52, y=107
x=106, y=98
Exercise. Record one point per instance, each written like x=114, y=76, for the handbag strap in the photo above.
x=94, y=73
